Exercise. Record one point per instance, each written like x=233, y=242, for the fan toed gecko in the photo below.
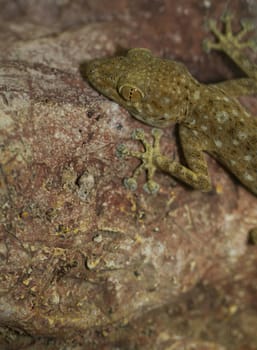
x=161, y=92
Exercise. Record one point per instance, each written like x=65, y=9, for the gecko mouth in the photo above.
x=157, y=123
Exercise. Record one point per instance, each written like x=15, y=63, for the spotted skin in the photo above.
x=162, y=92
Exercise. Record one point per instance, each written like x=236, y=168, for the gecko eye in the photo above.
x=131, y=93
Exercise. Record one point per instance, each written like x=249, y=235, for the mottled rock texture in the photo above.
x=84, y=263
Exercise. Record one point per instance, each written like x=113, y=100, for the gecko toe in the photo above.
x=130, y=183
x=151, y=187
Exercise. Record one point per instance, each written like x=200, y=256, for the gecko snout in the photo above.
x=91, y=68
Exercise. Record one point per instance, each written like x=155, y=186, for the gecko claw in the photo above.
x=138, y=134
x=212, y=24
x=130, y=183
x=122, y=151
x=247, y=24
x=207, y=45
x=157, y=133
x=227, y=16
x=151, y=187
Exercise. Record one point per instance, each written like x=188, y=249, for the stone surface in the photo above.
x=83, y=261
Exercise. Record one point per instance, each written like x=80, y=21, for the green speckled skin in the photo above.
x=161, y=92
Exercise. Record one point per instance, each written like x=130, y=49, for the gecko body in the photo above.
x=162, y=92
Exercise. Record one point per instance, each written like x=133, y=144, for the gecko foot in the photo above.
x=147, y=160
x=228, y=40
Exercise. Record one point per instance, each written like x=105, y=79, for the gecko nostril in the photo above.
x=91, y=68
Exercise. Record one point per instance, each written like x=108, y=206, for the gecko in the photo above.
x=160, y=92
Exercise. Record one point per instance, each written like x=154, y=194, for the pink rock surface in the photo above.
x=83, y=260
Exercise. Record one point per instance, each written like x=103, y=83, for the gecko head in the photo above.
x=110, y=76
x=150, y=88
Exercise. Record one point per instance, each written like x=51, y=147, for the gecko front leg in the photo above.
x=196, y=175
x=147, y=158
